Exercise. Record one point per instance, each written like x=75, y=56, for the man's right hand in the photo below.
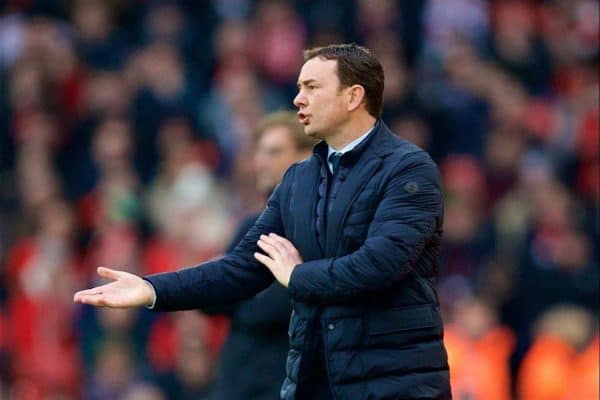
x=126, y=290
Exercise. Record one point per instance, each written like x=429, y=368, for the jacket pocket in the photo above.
x=402, y=319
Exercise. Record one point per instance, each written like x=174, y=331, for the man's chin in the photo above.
x=311, y=132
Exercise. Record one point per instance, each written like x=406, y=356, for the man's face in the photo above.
x=275, y=152
x=320, y=99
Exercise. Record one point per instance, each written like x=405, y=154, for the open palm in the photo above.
x=126, y=290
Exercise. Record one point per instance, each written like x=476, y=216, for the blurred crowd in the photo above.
x=126, y=129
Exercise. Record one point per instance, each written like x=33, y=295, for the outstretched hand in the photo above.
x=281, y=259
x=126, y=290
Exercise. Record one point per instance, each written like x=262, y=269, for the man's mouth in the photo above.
x=303, y=117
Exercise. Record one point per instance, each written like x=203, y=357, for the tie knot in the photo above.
x=335, y=159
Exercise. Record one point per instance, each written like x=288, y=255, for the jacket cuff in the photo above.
x=151, y=306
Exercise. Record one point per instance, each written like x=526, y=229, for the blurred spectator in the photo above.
x=570, y=29
x=232, y=109
x=106, y=94
x=479, y=350
x=447, y=23
x=114, y=198
x=100, y=43
x=114, y=374
x=277, y=42
x=504, y=148
x=42, y=270
x=36, y=180
x=562, y=362
x=455, y=93
x=106, y=97
x=165, y=89
x=399, y=91
x=558, y=263
x=517, y=47
x=232, y=47
x=378, y=15
x=187, y=205
x=181, y=351
x=464, y=247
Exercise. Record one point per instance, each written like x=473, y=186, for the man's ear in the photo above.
x=356, y=96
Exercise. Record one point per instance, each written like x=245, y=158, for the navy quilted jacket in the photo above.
x=368, y=281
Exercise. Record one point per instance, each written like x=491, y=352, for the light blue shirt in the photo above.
x=350, y=146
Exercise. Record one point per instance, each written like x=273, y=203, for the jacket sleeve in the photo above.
x=234, y=277
x=405, y=219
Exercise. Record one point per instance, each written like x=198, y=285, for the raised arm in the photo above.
x=234, y=277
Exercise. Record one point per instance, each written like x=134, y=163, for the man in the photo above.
x=353, y=233
x=258, y=339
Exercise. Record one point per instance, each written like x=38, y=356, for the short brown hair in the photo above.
x=288, y=120
x=356, y=65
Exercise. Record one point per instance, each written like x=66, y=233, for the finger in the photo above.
x=92, y=299
x=280, y=246
x=108, y=273
x=269, y=247
x=88, y=292
x=266, y=261
x=103, y=299
x=284, y=243
x=287, y=248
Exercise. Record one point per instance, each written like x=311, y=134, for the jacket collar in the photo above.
x=378, y=143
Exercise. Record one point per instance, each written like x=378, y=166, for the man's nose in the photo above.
x=300, y=100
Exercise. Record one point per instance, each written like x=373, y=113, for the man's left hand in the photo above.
x=281, y=259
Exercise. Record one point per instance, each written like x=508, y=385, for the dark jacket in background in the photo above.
x=368, y=282
x=252, y=361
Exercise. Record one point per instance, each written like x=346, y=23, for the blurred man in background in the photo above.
x=258, y=340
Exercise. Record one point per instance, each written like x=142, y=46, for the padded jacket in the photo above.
x=368, y=281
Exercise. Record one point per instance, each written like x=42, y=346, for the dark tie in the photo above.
x=335, y=159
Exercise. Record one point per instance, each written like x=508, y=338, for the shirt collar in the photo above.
x=350, y=146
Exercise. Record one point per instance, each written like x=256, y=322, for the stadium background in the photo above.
x=126, y=129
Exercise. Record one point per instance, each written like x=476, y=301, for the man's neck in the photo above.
x=351, y=131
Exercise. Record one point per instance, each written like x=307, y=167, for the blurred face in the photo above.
x=112, y=143
x=275, y=152
x=92, y=18
x=321, y=102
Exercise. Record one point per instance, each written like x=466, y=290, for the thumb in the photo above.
x=108, y=273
